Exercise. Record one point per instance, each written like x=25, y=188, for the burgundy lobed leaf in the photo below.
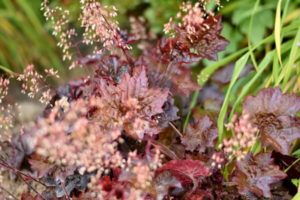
x=133, y=103
x=186, y=171
x=207, y=42
x=274, y=114
x=171, y=50
x=200, y=135
x=183, y=82
x=272, y=100
x=281, y=138
x=168, y=69
x=198, y=31
x=169, y=114
x=256, y=174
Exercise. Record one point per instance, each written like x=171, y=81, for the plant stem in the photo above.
x=289, y=167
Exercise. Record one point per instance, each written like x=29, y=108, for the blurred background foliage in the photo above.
x=26, y=38
x=262, y=33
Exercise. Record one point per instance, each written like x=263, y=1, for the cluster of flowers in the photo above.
x=199, y=28
x=4, y=83
x=7, y=121
x=32, y=83
x=100, y=25
x=217, y=160
x=60, y=21
x=243, y=139
x=91, y=149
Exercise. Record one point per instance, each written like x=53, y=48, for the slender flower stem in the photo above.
x=21, y=174
x=8, y=192
x=289, y=167
x=5, y=165
x=175, y=129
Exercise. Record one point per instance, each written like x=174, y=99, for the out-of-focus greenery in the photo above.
x=24, y=38
x=237, y=14
x=159, y=13
x=273, y=51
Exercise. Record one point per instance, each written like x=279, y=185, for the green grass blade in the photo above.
x=192, y=105
x=297, y=196
x=292, y=58
x=277, y=31
x=285, y=10
x=204, y=75
x=208, y=71
x=30, y=13
x=275, y=70
x=250, y=33
x=262, y=66
x=6, y=69
x=296, y=153
x=239, y=66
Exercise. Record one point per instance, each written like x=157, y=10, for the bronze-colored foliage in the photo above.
x=255, y=174
x=200, y=135
x=274, y=113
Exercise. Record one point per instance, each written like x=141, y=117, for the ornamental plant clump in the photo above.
x=119, y=133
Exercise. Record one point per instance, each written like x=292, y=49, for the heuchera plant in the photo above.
x=116, y=133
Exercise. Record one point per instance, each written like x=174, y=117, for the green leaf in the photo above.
x=295, y=181
x=297, y=196
x=276, y=70
x=292, y=58
x=6, y=69
x=256, y=147
x=296, y=153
